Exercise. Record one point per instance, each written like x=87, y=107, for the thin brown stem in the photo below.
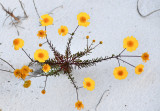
x=36, y=8
x=129, y=56
x=6, y=70
x=28, y=55
x=126, y=62
x=7, y=63
x=23, y=9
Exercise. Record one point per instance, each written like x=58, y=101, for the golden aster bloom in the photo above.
x=41, y=55
x=89, y=84
x=63, y=30
x=27, y=84
x=25, y=69
x=17, y=73
x=145, y=57
x=139, y=69
x=41, y=34
x=130, y=43
x=18, y=43
x=46, y=20
x=24, y=75
x=120, y=72
x=79, y=105
x=46, y=68
x=43, y=91
x=83, y=19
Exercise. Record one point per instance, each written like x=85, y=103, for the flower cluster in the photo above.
x=63, y=63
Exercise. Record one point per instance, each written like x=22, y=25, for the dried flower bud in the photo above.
x=43, y=91
x=101, y=42
x=87, y=37
x=40, y=45
x=93, y=40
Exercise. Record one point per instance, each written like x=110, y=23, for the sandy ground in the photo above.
x=111, y=21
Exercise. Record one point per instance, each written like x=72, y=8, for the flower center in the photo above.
x=120, y=73
x=79, y=104
x=130, y=43
x=146, y=56
x=16, y=42
x=83, y=19
x=45, y=67
x=62, y=30
x=140, y=70
x=46, y=20
x=40, y=55
x=88, y=84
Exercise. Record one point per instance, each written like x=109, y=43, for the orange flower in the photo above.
x=139, y=69
x=46, y=20
x=120, y=73
x=18, y=43
x=41, y=34
x=43, y=91
x=79, y=105
x=145, y=57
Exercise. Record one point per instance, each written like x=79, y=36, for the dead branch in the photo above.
x=23, y=9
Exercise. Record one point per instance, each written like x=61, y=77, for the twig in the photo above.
x=147, y=14
x=122, y=51
x=6, y=70
x=45, y=82
x=7, y=63
x=15, y=26
x=129, y=56
x=100, y=99
x=36, y=8
x=55, y=9
x=23, y=9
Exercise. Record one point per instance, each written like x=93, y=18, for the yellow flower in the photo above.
x=27, y=84
x=17, y=73
x=83, y=19
x=18, y=43
x=87, y=37
x=63, y=30
x=89, y=84
x=145, y=57
x=139, y=69
x=79, y=105
x=93, y=40
x=130, y=43
x=43, y=91
x=41, y=55
x=25, y=69
x=46, y=20
x=41, y=34
x=101, y=42
x=46, y=68
x=120, y=72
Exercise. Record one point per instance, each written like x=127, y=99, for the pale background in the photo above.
x=111, y=21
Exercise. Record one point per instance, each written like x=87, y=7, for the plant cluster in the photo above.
x=65, y=63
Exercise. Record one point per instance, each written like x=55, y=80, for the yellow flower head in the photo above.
x=41, y=34
x=83, y=19
x=17, y=73
x=93, y=40
x=120, y=72
x=63, y=30
x=46, y=20
x=46, y=68
x=18, y=43
x=41, y=55
x=43, y=91
x=79, y=105
x=130, y=43
x=89, y=84
x=139, y=69
x=27, y=84
x=145, y=57
x=87, y=37
x=25, y=69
